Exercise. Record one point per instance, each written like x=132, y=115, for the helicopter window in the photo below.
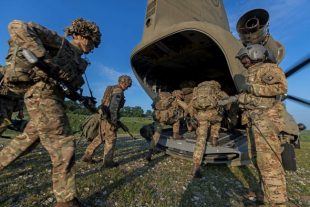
x=148, y=22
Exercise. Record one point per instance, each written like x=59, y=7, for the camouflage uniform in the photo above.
x=209, y=120
x=187, y=88
x=166, y=112
x=112, y=101
x=44, y=100
x=262, y=114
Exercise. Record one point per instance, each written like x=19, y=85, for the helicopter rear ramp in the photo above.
x=232, y=149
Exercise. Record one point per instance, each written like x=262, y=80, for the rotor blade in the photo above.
x=297, y=67
x=299, y=100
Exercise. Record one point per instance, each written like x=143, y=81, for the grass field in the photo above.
x=166, y=181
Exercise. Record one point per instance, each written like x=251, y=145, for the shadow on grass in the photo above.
x=219, y=186
x=127, y=178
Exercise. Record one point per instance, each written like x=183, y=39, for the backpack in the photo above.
x=164, y=102
x=71, y=66
x=205, y=95
x=90, y=127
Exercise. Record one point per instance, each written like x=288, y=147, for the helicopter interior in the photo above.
x=187, y=55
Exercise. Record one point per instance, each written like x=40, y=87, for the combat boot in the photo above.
x=253, y=198
x=110, y=164
x=196, y=171
x=148, y=156
x=73, y=203
x=214, y=141
x=88, y=159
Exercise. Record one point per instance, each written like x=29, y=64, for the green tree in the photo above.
x=137, y=111
x=76, y=108
x=129, y=111
x=148, y=113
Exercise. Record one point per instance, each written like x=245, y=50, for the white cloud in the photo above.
x=106, y=76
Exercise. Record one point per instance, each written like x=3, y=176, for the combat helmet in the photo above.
x=125, y=79
x=301, y=126
x=86, y=29
x=256, y=53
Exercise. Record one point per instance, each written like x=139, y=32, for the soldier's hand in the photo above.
x=247, y=88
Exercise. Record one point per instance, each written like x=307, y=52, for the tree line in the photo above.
x=127, y=111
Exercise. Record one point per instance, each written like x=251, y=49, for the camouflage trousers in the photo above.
x=202, y=130
x=107, y=133
x=156, y=135
x=49, y=125
x=265, y=152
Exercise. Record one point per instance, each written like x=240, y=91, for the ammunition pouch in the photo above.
x=289, y=157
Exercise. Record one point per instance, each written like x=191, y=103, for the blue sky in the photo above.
x=121, y=23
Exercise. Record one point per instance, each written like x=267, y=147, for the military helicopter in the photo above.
x=190, y=40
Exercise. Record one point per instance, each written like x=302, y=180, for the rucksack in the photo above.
x=90, y=127
x=205, y=95
x=71, y=66
x=164, y=101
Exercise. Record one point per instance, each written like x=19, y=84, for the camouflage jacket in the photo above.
x=267, y=81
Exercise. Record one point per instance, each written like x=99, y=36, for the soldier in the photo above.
x=9, y=103
x=262, y=108
x=166, y=112
x=205, y=110
x=112, y=101
x=44, y=99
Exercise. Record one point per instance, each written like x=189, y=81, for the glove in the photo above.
x=247, y=88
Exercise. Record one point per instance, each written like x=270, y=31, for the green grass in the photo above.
x=305, y=135
x=164, y=182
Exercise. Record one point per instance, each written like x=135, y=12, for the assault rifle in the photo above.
x=125, y=128
x=88, y=102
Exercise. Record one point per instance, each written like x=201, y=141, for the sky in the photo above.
x=121, y=23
